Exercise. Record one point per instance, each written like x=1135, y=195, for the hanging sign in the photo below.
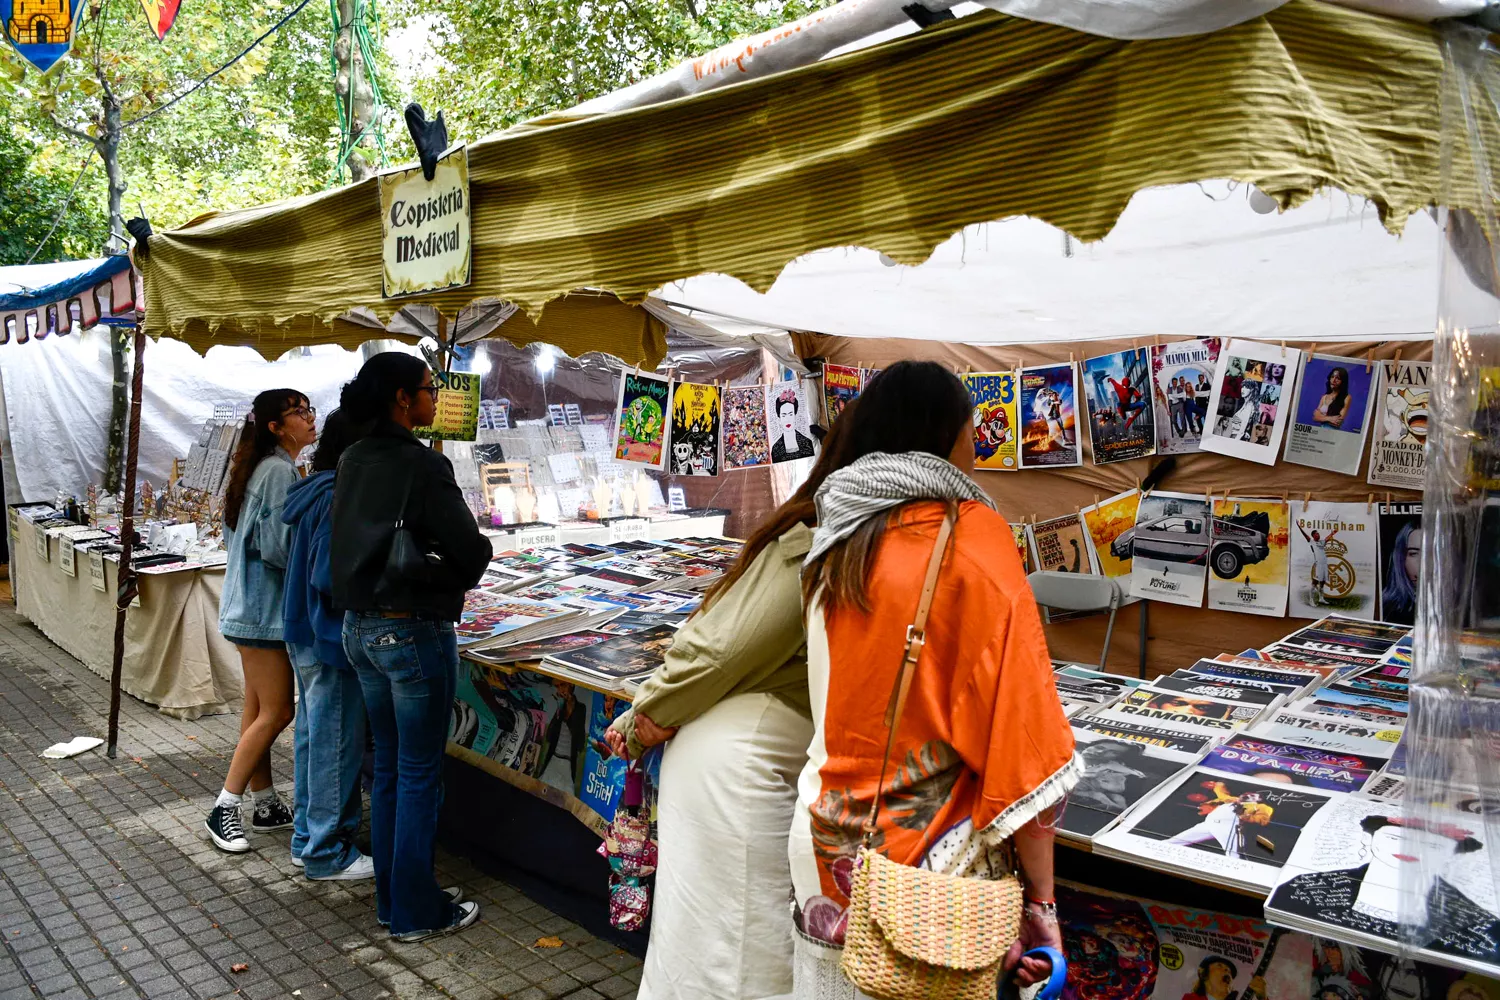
x=41, y=30
x=96, y=570
x=42, y=551
x=161, y=14
x=65, y=559
x=457, y=408
x=427, y=239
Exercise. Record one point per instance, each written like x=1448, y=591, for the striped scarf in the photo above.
x=878, y=482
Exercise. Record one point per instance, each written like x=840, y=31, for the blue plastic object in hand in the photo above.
x=1052, y=989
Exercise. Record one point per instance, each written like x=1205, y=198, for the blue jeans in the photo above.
x=329, y=744
x=408, y=669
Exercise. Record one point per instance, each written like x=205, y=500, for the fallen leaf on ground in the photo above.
x=239, y=967
x=549, y=942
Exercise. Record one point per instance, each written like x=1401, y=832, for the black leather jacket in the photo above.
x=366, y=499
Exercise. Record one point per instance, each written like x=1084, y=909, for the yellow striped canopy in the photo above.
x=894, y=148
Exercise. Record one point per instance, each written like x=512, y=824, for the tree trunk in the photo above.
x=352, y=86
x=109, y=151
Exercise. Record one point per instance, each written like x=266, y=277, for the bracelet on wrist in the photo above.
x=1046, y=909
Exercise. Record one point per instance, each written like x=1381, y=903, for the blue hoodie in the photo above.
x=307, y=612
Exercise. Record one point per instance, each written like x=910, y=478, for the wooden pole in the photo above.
x=126, y=590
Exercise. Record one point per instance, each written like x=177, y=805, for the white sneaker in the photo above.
x=362, y=867
x=298, y=862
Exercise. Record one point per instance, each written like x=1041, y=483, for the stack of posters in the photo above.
x=1398, y=450
x=996, y=439
x=1120, y=410
x=1118, y=773
x=616, y=658
x=1331, y=414
x=1249, y=556
x=1368, y=875
x=1293, y=763
x=1182, y=376
x=1168, y=548
x=1212, y=717
x=1251, y=401
x=1049, y=415
x=1082, y=688
x=491, y=619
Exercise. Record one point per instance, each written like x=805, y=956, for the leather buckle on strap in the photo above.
x=915, y=639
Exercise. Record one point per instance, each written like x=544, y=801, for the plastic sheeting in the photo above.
x=58, y=391
x=1453, y=740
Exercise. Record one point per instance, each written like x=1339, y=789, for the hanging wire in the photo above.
x=365, y=42
x=83, y=168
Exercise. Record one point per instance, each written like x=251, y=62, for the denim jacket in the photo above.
x=250, y=606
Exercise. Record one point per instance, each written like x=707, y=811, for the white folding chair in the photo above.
x=1080, y=592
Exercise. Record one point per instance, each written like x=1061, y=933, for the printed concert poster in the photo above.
x=1365, y=868
x=1331, y=414
x=695, y=430
x=1106, y=521
x=1293, y=764
x=1335, y=551
x=841, y=385
x=1399, y=448
x=1182, y=374
x=1209, y=823
x=1251, y=401
x=995, y=419
x=786, y=415
x=1168, y=548
x=1118, y=389
x=1049, y=409
x=641, y=412
x=1248, y=556
x=1400, y=561
x=745, y=440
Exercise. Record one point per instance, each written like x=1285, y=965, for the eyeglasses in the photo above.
x=429, y=388
x=305, y=412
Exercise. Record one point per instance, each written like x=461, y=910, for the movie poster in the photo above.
x=995, y=425
x=641, y=415
x=1248, y=556
x=1398, y=451
x=1060, y=544
x=867, y=375
x=1182, y=376
x=603, y=779
x=1331, y=414
x=1049, y=411
x=1118, y=389
x=1251, y=401
x=1206, y=823
x=1106, y=521
x=745, y=440
x=1168, y=548
x=1335, y=552
x=841, y=385
x=695, y=430
x=1400, y=561
x=786, y=415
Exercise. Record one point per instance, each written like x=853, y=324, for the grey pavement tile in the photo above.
x=617, y=988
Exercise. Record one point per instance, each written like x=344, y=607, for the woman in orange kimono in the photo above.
x=983, y=751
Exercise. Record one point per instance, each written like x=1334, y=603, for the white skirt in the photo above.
x=720, y=920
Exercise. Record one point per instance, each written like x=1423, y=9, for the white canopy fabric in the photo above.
x=1186, y=261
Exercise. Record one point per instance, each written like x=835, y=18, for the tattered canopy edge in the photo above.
x=893, y=148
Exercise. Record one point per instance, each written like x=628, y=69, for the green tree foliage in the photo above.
x=32, y=192
x=504, y=61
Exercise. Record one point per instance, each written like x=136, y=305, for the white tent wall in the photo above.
x=57, y=403
x=1187, y=261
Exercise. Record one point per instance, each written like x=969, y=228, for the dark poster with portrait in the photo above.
x=1400, y=561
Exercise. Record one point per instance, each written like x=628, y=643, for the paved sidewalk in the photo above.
x=109, y=888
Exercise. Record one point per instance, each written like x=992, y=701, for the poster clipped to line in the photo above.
x=1400, y=561
x=1107, y=521
x=1398, y=453
x=1335, y=551
x=695, y=430
x=641, y=419
x=786, y=415
x=426, y=239
x=995, y=407
x=1169, y=548
x=745, y=440
x=1330, y=414
x=1247, y=413
x=1248, y=556
x=1182, y=374
x=1121, y=422
x=1049, y=407
x=457, y=408
x=1060, y=545
x=841, y=386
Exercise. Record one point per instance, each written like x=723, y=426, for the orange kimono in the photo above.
x=983, y=745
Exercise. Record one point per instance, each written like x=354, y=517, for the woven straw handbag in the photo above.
x=915, y=934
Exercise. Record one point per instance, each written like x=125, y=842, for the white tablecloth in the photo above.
x=175, y=657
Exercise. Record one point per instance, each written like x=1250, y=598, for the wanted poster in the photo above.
x=1398, y=449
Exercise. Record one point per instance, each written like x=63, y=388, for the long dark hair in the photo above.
x=1399, y=597
x=257, y=441
x=1342, y=398
x=910, y=406
x=339, y=432
x=371, y=394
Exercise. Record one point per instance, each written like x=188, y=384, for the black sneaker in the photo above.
x=226, y=829
x=272, y=815
x=455, y=896
x=466, y=915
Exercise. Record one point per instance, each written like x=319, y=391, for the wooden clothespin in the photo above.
x=1283, y=496
x=968, y=369
x=1096, y=499
x=1313, y=349
x=1072, y=359
x=1157, y=341
x=1369, y=503
x=1398, y=355
x=1283, y=348
x=1306, y=499
x=1387, y=498
x=1369, y=359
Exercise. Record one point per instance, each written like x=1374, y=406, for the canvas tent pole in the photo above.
x=126, y=579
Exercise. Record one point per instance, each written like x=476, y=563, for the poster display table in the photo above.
x=175, y=657
x=658, y=526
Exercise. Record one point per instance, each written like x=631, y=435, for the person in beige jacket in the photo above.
x=732, y=698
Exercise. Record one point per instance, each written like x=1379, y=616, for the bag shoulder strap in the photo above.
x=916, y=639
